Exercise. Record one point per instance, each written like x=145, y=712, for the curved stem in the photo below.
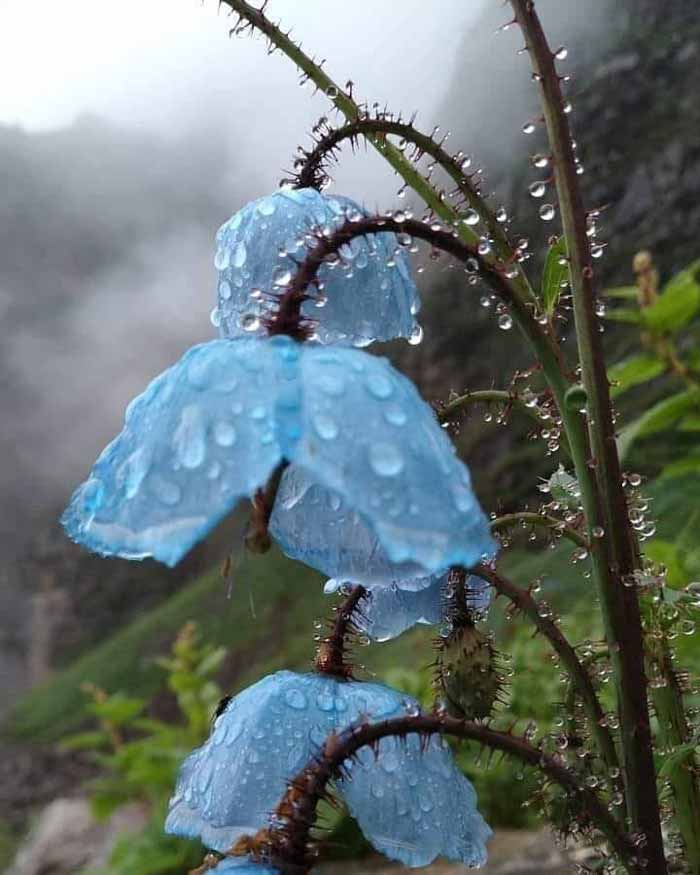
x=289, y=842
x=330, y=656
x=616, y=554
x=309, y=174
x=540, y=519
x=485, y=396
x=524, y=602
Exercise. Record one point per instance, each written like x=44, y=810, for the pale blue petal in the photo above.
x=317, y=526
x=413, y=804
x=388, y=609
x=242, y=866
x=368, y=438
x=230, y=786
x=200, y=437
x=374, y=298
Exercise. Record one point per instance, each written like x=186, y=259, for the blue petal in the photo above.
x=413, y=804
x=388, y=609
x=230, y=786
x=368, y=438
x=242, y=866
x=370, y=300
x=200, y=437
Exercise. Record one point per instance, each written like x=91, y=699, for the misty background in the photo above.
x=128, y=135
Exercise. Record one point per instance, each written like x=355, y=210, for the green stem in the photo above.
x=525, y=603
x=615, y=554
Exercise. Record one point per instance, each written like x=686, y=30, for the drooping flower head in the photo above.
x=213, y=428
x=410, y=799
x=367, y=292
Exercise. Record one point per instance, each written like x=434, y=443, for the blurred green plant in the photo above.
x=139, y=755
x=668, y=320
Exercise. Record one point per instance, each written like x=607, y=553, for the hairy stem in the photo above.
x=331, y=653
x=451, y=164
x=615, y=555
x=540, y=519
x=289, y=843
x=524, y=602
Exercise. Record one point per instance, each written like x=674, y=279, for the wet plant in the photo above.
x=348, y=470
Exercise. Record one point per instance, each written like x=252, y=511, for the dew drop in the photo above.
x=249, y=321
x=395, y=415
x=222, y=259
x=295, y=699
x=379, y=386
x=386, y=460
x=505, y=321
x=189, y=438
x=416, y=336
x=224, y=433
x=561, y=54
x=266, y=207
x=537, y=189
x=240, y=255
x=471, y=218
x=215, y=317
x=326, y=427
x=224, y=290
x=529, y=128
x=547, y=212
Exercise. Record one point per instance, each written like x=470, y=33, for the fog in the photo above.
x=129, y=133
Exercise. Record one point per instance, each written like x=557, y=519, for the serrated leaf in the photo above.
x=634, y=371
x=661, y=416
x=554, y=275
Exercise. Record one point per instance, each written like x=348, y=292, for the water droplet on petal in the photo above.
x=380, y=386
x=326, y=427
x=222, y=259
x=295, y=699
x=240, y=254
x=386, y=460
x=224, y=433
x=395, y=415
x=224, y=290
x=189, y=439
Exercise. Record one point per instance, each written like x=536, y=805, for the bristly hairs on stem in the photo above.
x=616, y=555
x=332, y=651
x=287, y=844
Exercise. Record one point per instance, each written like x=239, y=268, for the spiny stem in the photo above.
x=289, y=843
x=615, y=555
x=524, y=602
x=310, y=172
x=331, y=653
x=257, y=538
x=540, y=519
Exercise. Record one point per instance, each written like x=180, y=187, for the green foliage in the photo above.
x=668, y=325
x=139, y=756
x=555, y=275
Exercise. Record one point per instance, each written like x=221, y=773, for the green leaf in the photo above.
x=625, y=314
x=625, y=292
x=95, y=740
x=669, y=555
x=678, y=304
x=634, y=371
x=678, y=758
x=681, y=468
x=661, y=416
x=554, y=275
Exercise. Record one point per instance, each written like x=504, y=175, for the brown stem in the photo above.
x=615, y=555
x=331, y=653
x=289, y=843
x=257, y=538
x=540, y=519
x=525, y=603
x=311, y=173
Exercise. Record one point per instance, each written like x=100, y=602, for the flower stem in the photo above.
x=288, y=843
x=540, y=519
x=615, y=555
x=525, y=603
x=331, y=653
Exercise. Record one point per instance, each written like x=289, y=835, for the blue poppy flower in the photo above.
x=410, y=799
x=212, y=429
x=367, y=295
x=388, y=609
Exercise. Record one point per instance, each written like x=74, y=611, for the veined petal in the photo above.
x=369, y=295
x=201, y=436
x=404, y=799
